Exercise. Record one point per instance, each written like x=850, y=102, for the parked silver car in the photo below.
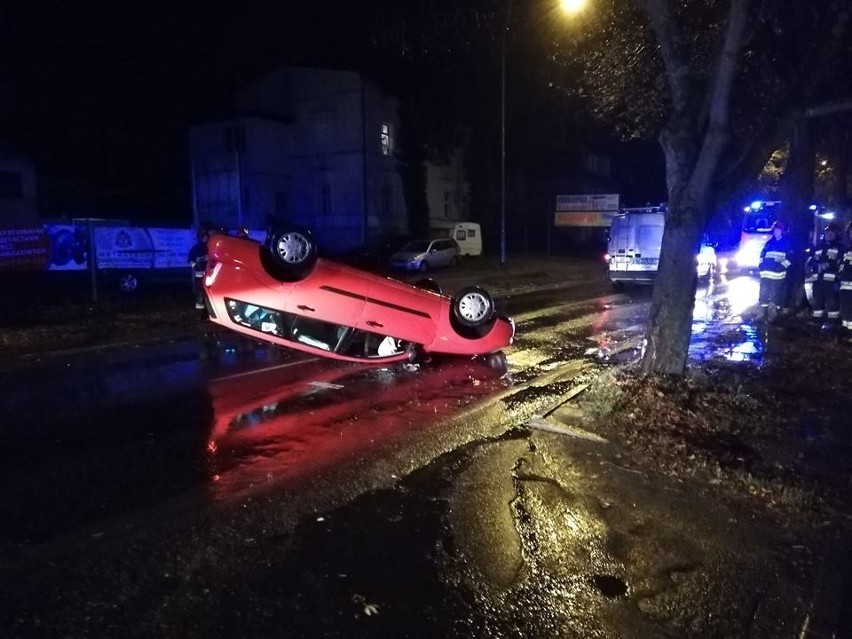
x=424, y=255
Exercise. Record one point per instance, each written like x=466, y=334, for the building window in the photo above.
x=387, y=139
x=234, y=139
x=11, y=185
x=325, y=199
x=597, y=164
x=387, y=201
x=448, y=203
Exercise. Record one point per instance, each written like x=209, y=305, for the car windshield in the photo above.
x=417, y=246
x=760, y=222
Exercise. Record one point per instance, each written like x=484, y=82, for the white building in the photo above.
x=312, y=147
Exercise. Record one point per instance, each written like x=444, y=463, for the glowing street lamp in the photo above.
x=570, y=7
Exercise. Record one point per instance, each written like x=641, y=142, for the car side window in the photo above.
x=371, y=345
x=326, y=336
x=319, y=334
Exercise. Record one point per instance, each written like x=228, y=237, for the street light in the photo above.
x=572, y=6
x=569, y=7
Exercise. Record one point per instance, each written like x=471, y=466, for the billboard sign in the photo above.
x=585, y=210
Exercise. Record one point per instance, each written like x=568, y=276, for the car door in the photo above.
x=440, y=249
x=333, y=293
x=400, y=310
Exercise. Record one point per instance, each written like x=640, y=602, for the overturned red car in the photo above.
x=282, y=292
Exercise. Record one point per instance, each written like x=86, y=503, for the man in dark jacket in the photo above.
x=775, y=260
x=845, y=278
x=198, y=262
x=823, y=269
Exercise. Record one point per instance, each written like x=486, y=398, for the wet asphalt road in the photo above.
x=220, y=488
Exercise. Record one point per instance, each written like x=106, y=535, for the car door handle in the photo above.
x=302, y=307
x=372, y=323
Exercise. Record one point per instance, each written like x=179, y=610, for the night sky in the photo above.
x=105, y=91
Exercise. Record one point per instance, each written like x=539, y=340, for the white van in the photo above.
x=468, y=235
x=635, y=240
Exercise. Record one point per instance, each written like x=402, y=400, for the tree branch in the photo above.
x=720, y=100
x=676, y=62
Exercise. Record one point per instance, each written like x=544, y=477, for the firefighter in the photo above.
x=822, y=269
x=775, y=260
x=197, y=259
x=845, y=278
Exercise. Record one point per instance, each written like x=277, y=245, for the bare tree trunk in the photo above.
x=841, y=185
x=670, y=320
x=693, y=142
x=796, y=193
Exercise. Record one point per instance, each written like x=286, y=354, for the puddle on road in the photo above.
x=609, y=586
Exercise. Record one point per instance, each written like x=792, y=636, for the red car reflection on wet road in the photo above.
x=283, y=293
x=291, y=422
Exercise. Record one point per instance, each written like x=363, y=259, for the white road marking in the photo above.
x=267, y=369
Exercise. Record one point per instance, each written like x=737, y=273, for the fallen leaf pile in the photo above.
x=778, y=431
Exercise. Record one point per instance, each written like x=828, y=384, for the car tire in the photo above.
x=424, y=267
x=496, y=361
x=429, y=284
x=293, y=250
x=128, y=283
x=455, y=261
x=414, y=352
x=473, y=307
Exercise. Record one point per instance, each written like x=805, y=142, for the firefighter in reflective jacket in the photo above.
x=775, y=260
x=845, y=279
x=823, y=269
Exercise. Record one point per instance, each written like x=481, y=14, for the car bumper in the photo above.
x=633, y=277
x=406, y=266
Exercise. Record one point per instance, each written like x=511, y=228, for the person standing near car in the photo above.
x=775, y=260
x=823, y=269
x=844, y=277
x=198, y=262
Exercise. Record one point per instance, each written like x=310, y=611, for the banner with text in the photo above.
x=586, y=210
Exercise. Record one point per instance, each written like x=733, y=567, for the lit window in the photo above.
x=387, y=140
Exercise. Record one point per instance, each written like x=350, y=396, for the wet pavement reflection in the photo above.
x=287, y=423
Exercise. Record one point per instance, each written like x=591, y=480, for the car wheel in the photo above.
x=496, y=361
x=454, y=261
x=293, y=248
x=429, y=284
x=414, y=353
x=424, y=267
x=128, y=283
x=473, y=306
